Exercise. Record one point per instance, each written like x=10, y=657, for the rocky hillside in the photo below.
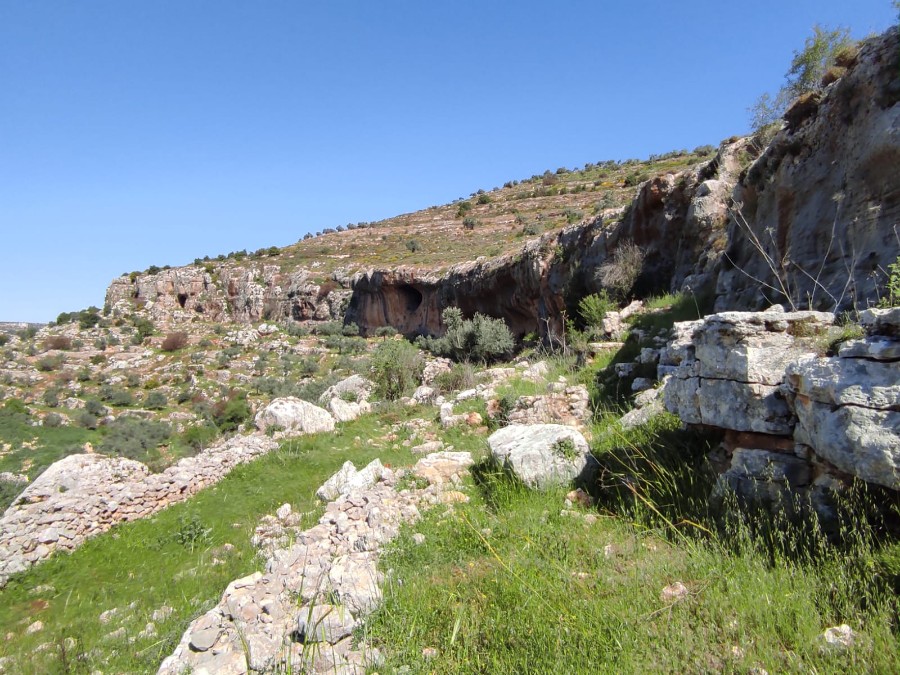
x=806, y=218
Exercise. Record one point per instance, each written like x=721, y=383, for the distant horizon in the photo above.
x=156, y=134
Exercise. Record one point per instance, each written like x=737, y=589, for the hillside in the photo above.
x=637, y=417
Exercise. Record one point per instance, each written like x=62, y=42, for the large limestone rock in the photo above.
x=730, y=374
x=542, y=455
x=348, y=479
x=294, y=415
x=353, y=389
x=848, y=409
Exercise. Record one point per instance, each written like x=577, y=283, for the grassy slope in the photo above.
x=143, y=563
x=506, y=584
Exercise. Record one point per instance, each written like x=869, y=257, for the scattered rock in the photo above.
x=838, y=638
x=294, y=415
x=674, y=592
x=543, y=454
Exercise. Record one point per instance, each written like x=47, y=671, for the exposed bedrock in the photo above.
x=795, y=422
x=823, y=199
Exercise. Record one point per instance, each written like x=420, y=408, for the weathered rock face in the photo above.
x=731, y=373
x=795, y=422
x=824, y=197
x=243, y=294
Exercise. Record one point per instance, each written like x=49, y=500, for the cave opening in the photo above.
x=182, y=299
x=411, y=296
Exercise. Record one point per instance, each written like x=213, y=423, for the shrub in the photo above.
x=460, y=376
x=144, y=329
x=199, y=436
x=483, y=199
x=95, y=408
x=84, y=419
x=396, y=368
x=329, y=328
x=174, y=341
x=156, y=400
x=4, y=338
x=470, y=223
x=821, y=51
x=463, y=208
x=620, y=273
x=892, y=289
x=53, y=420
x=385, y=332
x=134, y=438
x=114, y=396
x=481, y=338
x=412, y=245
x=60, y=342
x=51, y=397
x=593, y=309
x=232, y=411
x=50, y=362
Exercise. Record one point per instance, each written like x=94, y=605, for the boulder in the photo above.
x=848, y=409
x=542, y=455
x=353, y=389
x=344, y=411
x=294, y=415
x=441, y=467
x=348, y=479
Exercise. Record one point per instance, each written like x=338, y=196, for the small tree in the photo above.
x=481, y=338
x=396, y=368
x=809, y=65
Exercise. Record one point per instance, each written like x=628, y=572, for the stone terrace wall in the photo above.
x=83, y=495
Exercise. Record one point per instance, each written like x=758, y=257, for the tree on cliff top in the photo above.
x=821, y=51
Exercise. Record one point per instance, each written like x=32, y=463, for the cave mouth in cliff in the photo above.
x=182, y=299
x=411, y=296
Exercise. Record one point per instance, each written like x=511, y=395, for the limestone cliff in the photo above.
x=809, y=221
x=823, y=199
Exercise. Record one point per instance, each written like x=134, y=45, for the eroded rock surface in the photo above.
x=541, y=455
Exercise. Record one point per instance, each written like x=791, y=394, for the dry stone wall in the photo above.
x=300, y=613
x=83, y=495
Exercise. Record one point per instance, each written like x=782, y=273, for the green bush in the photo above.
x=50, y=362
x=481, y=338
x=232, y=411
x=593, y=309
x=396, y=369
x=483, y=199
x=199, y=436
x=134, y=438
x=470, y=223
x=412, y=245
x=156, y=400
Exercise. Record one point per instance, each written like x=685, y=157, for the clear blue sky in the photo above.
x=154, y=132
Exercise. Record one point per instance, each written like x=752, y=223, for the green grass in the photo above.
x=43, y=446
x=506, y=584
x=142, y=566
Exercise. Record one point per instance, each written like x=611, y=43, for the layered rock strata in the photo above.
x=795, y=422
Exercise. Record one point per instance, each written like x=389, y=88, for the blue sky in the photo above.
x=151, y=133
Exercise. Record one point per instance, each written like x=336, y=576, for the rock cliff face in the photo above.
x=229, y=293
x=676, y=219
x=823, y=199
x=808, y=222
x=795, y=422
